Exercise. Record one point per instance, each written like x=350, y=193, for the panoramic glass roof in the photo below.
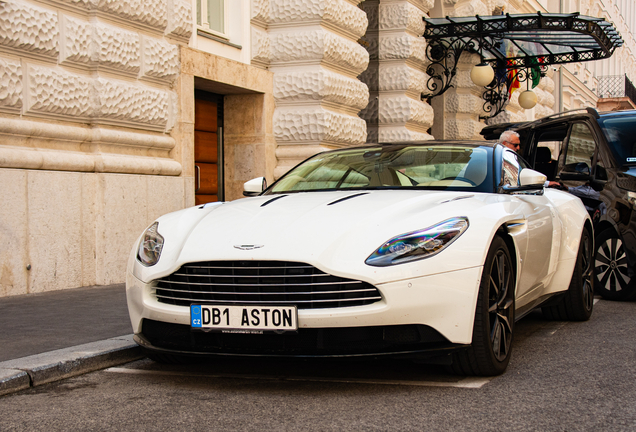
x=529, y=39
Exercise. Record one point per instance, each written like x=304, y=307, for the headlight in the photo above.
x=631, y=196
x=420, y=244
x=150, y=246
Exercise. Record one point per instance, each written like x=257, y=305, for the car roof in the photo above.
x=625, y=113
x=493, y=131
x=474, y=143
x=426, y=143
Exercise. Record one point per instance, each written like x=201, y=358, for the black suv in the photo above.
x=593, y=156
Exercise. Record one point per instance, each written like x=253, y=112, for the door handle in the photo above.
x=198, y=176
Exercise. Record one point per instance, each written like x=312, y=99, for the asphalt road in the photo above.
x=562, y=377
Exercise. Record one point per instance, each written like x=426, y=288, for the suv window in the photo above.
x=581, y=148
x=601, y=172
x=548, y=152
x=621, y=136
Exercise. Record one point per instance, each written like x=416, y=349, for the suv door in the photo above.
x=581, y=167
x=575, y=156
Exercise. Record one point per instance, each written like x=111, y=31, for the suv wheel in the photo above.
x=610, y=268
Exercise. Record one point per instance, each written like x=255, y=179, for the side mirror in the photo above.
x=530, y=181
x=578, y=171
x=529, y=177
x=254, y=187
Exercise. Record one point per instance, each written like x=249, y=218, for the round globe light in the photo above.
x=528, y=99
x=482, y=74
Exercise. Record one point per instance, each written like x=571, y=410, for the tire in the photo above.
x=578, y=302
x=489, y=352
x=611, y=268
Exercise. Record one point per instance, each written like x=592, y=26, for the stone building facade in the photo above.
x=87, y=108
x=113, y=112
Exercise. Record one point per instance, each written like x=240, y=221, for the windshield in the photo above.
x=436, y=167
x=621, y=136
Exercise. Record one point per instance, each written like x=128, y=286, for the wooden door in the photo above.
x=206, y=154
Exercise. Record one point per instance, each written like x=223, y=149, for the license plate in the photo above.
x=244, y=319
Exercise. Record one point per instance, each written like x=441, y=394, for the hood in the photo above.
x=334, y=229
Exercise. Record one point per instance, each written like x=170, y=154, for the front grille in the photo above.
x=262, y=282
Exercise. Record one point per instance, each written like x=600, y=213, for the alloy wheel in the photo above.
x=588, y=272
x=611, y=265
x=500, y=302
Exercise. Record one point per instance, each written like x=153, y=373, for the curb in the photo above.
x=35, y=370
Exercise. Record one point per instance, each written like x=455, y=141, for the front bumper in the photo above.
x=419, y=315
x=405, y=340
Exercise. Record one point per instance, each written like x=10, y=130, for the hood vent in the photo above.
x=272, y=200
x=348, y=197
x=457, y=198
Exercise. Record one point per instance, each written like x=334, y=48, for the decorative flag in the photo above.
x=536, y=70
x=512, y=77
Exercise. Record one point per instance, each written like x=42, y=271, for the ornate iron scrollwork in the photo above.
x=443, y=55
x=495, y=96
x=519, y=47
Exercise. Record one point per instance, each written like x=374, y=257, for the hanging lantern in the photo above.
x=528, y=99
x=482, y=74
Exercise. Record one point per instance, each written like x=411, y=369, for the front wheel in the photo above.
x=610, y=267
x=489, y=352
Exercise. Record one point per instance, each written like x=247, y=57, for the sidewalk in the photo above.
x=49, y=336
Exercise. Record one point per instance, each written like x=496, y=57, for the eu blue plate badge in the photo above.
x=195, y=316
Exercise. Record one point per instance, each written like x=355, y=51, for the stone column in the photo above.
x=311, y=46
x=545, y=95
x=396, y=76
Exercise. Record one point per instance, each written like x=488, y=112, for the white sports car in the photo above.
x=430, y=250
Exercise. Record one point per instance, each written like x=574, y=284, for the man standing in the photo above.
x=510, y=139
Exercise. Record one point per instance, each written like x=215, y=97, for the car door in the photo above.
x=545, y=148
x=582, y=170
x=543, y=233
x=568, y=153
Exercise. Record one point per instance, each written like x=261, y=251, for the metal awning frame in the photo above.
x=524, y=43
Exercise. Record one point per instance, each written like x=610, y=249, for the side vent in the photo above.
x=516, y=227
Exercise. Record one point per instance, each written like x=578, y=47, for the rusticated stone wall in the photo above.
x=88, y=104
x=311, y=47
x=86, y=69
x=396, y=76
